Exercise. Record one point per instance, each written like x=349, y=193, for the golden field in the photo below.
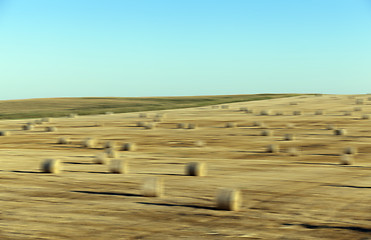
x=308, y=196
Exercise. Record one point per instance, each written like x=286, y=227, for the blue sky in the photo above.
x=129, y=48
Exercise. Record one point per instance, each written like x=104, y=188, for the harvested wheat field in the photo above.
x=309, y=195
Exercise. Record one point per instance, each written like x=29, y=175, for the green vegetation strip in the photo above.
x=59, y=107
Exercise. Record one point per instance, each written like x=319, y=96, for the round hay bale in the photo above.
x=215, y=107
x=152, y=187
x=256, y=124
x=230, y=125
x=243, y=109
x=192, y=126
x=72, y=115
x=109, y=113
x=157, y=119
x=292, y=151
x=279, y=113
x=64, y=140
x=109, y=144
x=50, y=129
x=141, y=124
x=330, y=127
x=267, y=133
x=51, y=166
x=273, y=148
x=28, y=127
x=196, y=169
x=129, y=147
x=46, y=119
x=290, y=125
x=260, y=124
x=181, y=125
x=225, y=106
x=357, y=109
x=365, y=116
x=350, y=150
x=142, y=115
x=228, y=199
x=318, y=112
x=340, y=132
x=160, y=115
x=150, y=126
x=4, y=133
x=359, y=101
x=297, y=113
x=89, y=143
x=99, y=124
x=288, y=137
x=38, y=121
x=346, y=159
x=347, y=113
x=199, y=143
x=118, y=166
x=100, y=158
x=111, y=153
x=293, y=103
x=265, y=112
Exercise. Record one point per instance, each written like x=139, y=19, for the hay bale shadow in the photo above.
x=312, y=226
x=345, y=186
x=178, y=205
x=312, y=163
x=325, y=154
x=28, y=172
x=166, y=174
x=109, y=193
x=79, y=163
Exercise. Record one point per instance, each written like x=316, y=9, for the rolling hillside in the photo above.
x=58, y=107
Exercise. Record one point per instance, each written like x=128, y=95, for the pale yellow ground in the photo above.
x=309, y=196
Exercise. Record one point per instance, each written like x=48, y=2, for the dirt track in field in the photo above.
x=309, y=196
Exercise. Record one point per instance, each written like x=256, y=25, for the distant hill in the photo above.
x=58, y=107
